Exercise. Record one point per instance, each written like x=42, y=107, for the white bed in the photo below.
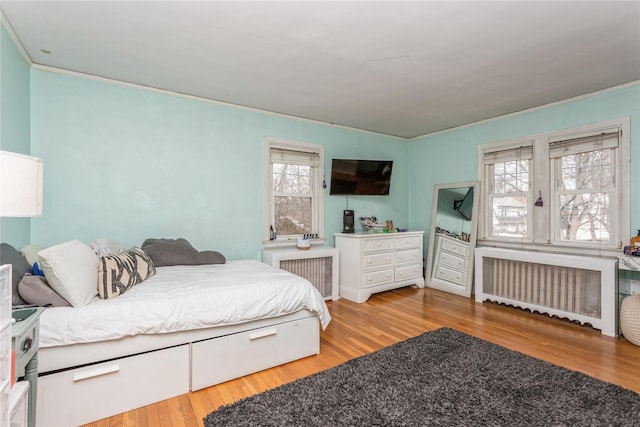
x=186, y=328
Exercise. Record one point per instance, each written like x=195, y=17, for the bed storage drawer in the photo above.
x=87, y=394
x=222, y=359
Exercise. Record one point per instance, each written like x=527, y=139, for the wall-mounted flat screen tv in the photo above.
x=360, y=177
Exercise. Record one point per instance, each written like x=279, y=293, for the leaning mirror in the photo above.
x=452, y=237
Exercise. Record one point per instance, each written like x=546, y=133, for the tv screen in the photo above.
x=360, y=177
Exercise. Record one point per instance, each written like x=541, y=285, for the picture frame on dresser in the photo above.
x=452, y=237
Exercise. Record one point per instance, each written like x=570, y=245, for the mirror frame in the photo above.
x=437, y=283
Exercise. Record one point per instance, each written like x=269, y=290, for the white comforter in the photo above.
x=185, y=297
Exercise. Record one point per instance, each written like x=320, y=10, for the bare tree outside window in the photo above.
x=586, y=184
x=510, y=198
x=292, y=198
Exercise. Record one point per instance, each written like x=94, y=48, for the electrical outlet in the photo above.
x=634, y=287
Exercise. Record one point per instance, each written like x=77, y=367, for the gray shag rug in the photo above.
x=440, y=378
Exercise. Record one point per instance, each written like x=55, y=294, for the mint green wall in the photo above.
x=452, y=156
x=127, y=163
x=14, y=124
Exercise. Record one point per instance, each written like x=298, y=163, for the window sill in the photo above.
x=627, y=262
x=289, y=243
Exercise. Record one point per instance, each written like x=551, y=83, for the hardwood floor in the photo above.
x=389, y=317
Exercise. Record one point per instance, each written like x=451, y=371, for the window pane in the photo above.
x=512, y=176
x=293, y=215
x=584, y=217
x=587, y=171
x=510, y=216
x=291, y=179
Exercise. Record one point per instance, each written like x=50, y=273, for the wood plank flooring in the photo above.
x=389, y=317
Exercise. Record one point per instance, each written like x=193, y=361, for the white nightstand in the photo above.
x=25, y=337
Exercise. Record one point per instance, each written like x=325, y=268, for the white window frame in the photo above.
x=317, y=193
x=504, y=151
x=543, y=223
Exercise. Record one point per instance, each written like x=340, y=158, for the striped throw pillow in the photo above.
x=119, y=273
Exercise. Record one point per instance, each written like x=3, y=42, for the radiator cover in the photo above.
x=578, y=288
x=319, y=265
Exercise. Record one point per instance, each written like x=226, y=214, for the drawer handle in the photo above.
x=262, y=334
x=91, y=373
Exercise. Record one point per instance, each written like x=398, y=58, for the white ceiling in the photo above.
x=397, y=68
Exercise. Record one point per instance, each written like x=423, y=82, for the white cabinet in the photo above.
x=450, y=263
x=376, y=262
x=19, y=405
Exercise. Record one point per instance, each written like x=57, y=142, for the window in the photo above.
x=566, y=188
x=294, y=196
x=507, y=178
x=585, y=198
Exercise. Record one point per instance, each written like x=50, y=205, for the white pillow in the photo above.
x=71, y=268
x=30, y=252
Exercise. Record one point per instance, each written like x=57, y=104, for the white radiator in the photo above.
x=319, y=265
x=578, y=288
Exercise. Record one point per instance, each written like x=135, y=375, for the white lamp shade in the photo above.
x=20, y=185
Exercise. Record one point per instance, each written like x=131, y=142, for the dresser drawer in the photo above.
x=408, y=272
x=377, y=244
x=84, y=395
x=460, y=248
x=407, y=242
x=411, y=255
x=452, y=260
x=378, y=277
x=450, y=275
x=232, y=356
x=378, y=260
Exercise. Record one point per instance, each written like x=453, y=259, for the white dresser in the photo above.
x=450, y=260
x=376, y=262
